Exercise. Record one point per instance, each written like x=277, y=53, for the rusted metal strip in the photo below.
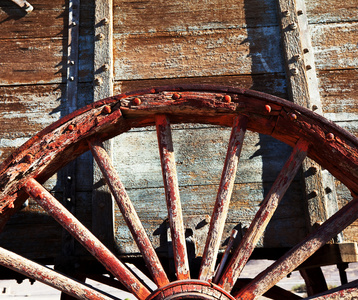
x=263, y=216
x=48, y=276
x=24, y=5
x=222, y=202
x=85, y=237
x=225, y=256
x=297, y=255
x=172, y=196
x=129, y=214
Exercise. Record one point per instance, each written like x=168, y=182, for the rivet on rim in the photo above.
x=176, y=96
x=71, y=127
x=293, y=116
x=268, y=108
x=137, y=101
x=227, y=98
x=107, y=109
x=28, y=158
x=330, y=136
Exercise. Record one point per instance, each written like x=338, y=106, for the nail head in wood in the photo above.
x=293, y=26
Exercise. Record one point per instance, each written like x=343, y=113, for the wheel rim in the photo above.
x=309, y=134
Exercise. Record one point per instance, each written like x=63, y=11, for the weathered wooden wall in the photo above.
x=170, y=42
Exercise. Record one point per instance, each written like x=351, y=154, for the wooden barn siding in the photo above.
x=334, y=30
x=32, y=96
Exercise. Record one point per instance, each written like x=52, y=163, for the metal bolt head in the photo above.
x=137, y=101
x=306, y=50
x=100, y=36
x=330, y=136
x=293, y=116
x=268, y=108
x=105, y=67
x=107, y=109
x=308, y=67
x=297, y=57
x=314, y=107
x=300, y=12
x=72, y=78
x=176, y=96
x=294, y=71
x=73, y=24
x=98, y=81
x=28, y=158
x=71, y=127
x=293, y=26
x=72, y=62
x=105, y=21
x=227, y=98
x=286, y=13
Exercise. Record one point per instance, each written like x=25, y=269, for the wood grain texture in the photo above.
x=335, y=45
x=157, y=16
x=327, y=11
x=197, y=54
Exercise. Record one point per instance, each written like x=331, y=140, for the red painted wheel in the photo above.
x=24, y=172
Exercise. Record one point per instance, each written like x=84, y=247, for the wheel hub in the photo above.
x=190, y=289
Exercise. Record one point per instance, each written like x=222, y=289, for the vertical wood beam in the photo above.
x=102, y=202
x=304, y=90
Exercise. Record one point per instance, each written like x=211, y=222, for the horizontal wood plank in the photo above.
x=157, y=16
x=328, y=11
x=335, y=45
x=274, y=84
x=339, y=94
x=203, y=53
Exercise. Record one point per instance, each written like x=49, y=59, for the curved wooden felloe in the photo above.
x=23, y=173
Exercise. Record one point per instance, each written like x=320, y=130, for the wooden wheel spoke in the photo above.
x=297, y=255
x=48, y=276
x=172, y=196
x=223, y=198
x=128, y=211
x=263, y=216
x=85, y=237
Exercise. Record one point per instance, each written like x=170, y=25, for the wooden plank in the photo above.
x=219, y=52
x=328, y=11
x=32, y=61
x=46, y=20
x=335, y=45
x=274, y=84
x=204, y=148
x=339, y=91
x=177, y=16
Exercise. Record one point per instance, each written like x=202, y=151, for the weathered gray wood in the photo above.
x=219, y=52
x=304, y=90
x=102, y=202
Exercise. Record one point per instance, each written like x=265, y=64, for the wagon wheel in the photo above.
x=23, y=173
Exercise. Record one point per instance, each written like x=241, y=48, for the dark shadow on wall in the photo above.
x=268, y=76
